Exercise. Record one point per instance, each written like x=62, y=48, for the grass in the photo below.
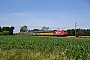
x=43, y=48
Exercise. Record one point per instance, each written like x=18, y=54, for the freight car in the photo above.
x=62, y=33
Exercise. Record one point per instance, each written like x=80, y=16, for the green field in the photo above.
x=44, y=48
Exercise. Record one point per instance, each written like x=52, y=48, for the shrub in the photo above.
x=5, y=33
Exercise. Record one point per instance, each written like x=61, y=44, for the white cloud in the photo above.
x=18, y=14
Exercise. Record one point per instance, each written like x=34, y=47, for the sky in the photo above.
x=62, y=14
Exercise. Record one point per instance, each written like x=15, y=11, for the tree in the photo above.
x=45, y=28
x=79, y=33
x=23, y=29
x=5, y=29
x=29, y=30
x=0, y=29
x=35, y=29
x=11, y=30
x=71, y=32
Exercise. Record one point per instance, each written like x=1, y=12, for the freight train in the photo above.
x=62, y=33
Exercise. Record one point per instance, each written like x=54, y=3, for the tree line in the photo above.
x=71, y=32
x=6, y=30
x=25, y=29
x=79, y=32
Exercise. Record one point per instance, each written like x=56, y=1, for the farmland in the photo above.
x=43, y=48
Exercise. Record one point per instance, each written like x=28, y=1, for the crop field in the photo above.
x=44, y=48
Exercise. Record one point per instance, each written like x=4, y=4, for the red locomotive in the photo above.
x=60, y=33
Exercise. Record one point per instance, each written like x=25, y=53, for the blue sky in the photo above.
x=55, y=14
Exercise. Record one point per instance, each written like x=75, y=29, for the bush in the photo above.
x=5, y=33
